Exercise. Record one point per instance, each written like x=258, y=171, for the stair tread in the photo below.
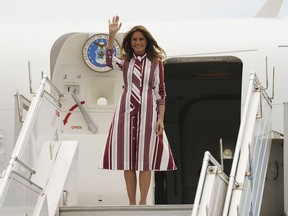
x=127, y=208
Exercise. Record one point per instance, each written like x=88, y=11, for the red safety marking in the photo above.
x=70, y=112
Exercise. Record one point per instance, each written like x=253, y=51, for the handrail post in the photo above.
x=32, y=171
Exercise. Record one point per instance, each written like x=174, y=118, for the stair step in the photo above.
x=150, y=210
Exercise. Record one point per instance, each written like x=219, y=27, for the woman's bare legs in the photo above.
x=144, y=183
x=131, y=182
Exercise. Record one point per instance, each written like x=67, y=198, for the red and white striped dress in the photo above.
x=132, y=142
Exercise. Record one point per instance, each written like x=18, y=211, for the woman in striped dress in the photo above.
x=136, y=139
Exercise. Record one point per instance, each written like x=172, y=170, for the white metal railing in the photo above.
x=22, y=103
x=207, y=158
x=254, y=85
x=23, y=139
x=238, y=144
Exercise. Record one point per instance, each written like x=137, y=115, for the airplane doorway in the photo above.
x=202, y=106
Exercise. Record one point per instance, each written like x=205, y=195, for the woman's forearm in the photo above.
x=161, y=111
x=110, y=41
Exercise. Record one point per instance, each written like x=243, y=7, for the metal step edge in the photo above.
x=126, y=208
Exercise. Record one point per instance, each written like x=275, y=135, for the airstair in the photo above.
x=242, y=194
x=41, y=160
x=34, y=178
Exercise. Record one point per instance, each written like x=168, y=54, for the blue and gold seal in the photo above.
x=94, y=52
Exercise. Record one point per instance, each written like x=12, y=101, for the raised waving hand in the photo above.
x=114, y=27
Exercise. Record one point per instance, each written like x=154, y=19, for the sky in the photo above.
x=92, y=11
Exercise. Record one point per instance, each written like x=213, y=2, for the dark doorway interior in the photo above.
x=203, y=105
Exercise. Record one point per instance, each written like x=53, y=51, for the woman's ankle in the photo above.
x=142, y=203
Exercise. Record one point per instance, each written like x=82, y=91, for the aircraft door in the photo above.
x=202, y=106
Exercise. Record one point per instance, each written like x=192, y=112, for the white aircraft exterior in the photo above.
x=209, y=64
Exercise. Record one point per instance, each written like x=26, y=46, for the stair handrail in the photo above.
x=207, y=158
x=24, y=134
x=253, y=84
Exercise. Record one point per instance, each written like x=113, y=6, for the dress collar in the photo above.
x=141, y=56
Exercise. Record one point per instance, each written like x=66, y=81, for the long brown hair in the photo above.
x=153, y=50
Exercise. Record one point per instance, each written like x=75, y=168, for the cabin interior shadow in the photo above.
x=203, y=105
